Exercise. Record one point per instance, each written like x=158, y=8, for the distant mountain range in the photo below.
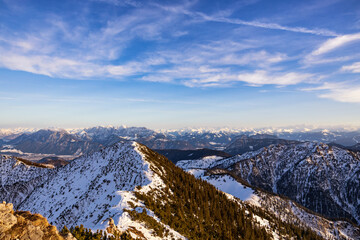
x=81, y=141
x=246, y=143
x=57, y=142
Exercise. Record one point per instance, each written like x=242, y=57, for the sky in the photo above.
x=176, y=64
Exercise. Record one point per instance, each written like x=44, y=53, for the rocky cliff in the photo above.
x=26, y=226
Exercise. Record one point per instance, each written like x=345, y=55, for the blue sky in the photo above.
x=174, y=64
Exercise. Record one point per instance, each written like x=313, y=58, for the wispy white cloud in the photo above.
x=66, y=49
x=212, y=80
x=45, y=65
x=354, y=68
x=310, y=60
x=256, y=78
x=157, y=78
x=348, y=94
x=68, y=67
x=261, y=77
x=331, y=45
x=341, y=92
x=260, y=58
x=223, y=53
x=258, y=24
x=121, y=2
x=335, y=43
x=274, y=26
x=69, y=49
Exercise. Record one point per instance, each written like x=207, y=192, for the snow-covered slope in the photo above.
x=226, y=184
x=283, y=208
x=18, y=179
x=94, y=188
x=322, y=178
x=203, y=163
x=143, y=193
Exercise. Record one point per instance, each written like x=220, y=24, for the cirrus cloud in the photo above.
x=354, y=68
x=256, y=79
x=338, y=91
x=335, y=43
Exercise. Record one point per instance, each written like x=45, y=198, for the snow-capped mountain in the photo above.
x=53, y=142
x=25, y=142
x=281, y=207
x=8, y=133
x=101, y=133
x=246, y=143
x=322, y=178
x=89, y=191
x=142, y=193
x=92, y=189
x=345, y=138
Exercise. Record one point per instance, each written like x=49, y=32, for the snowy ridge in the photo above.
x=325, y=179
x=215, y=161
x=18, y=179
x=226, y=184
x=11, y=131
x=94, y=188
x=202, y=163
x=284, y=209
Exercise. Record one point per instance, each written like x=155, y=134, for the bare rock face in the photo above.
x=7, y=218
x=112, y=227
x=24, y=225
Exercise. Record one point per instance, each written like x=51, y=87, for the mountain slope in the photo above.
x=142, y=192
x=252, y=143
x=94, y=188
x=54, y=161
x=20, y=177
x=53, y=142
x=322, y=178
x=176, y=155
x=280, y=207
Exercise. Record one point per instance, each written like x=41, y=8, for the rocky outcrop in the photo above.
x=26, y=226
x=7, y=218
x=112, y=229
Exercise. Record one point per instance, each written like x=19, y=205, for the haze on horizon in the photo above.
x=176, y=64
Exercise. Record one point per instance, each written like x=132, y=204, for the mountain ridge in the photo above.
x=318, y=176
x=279, y=205
x=131, y=184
